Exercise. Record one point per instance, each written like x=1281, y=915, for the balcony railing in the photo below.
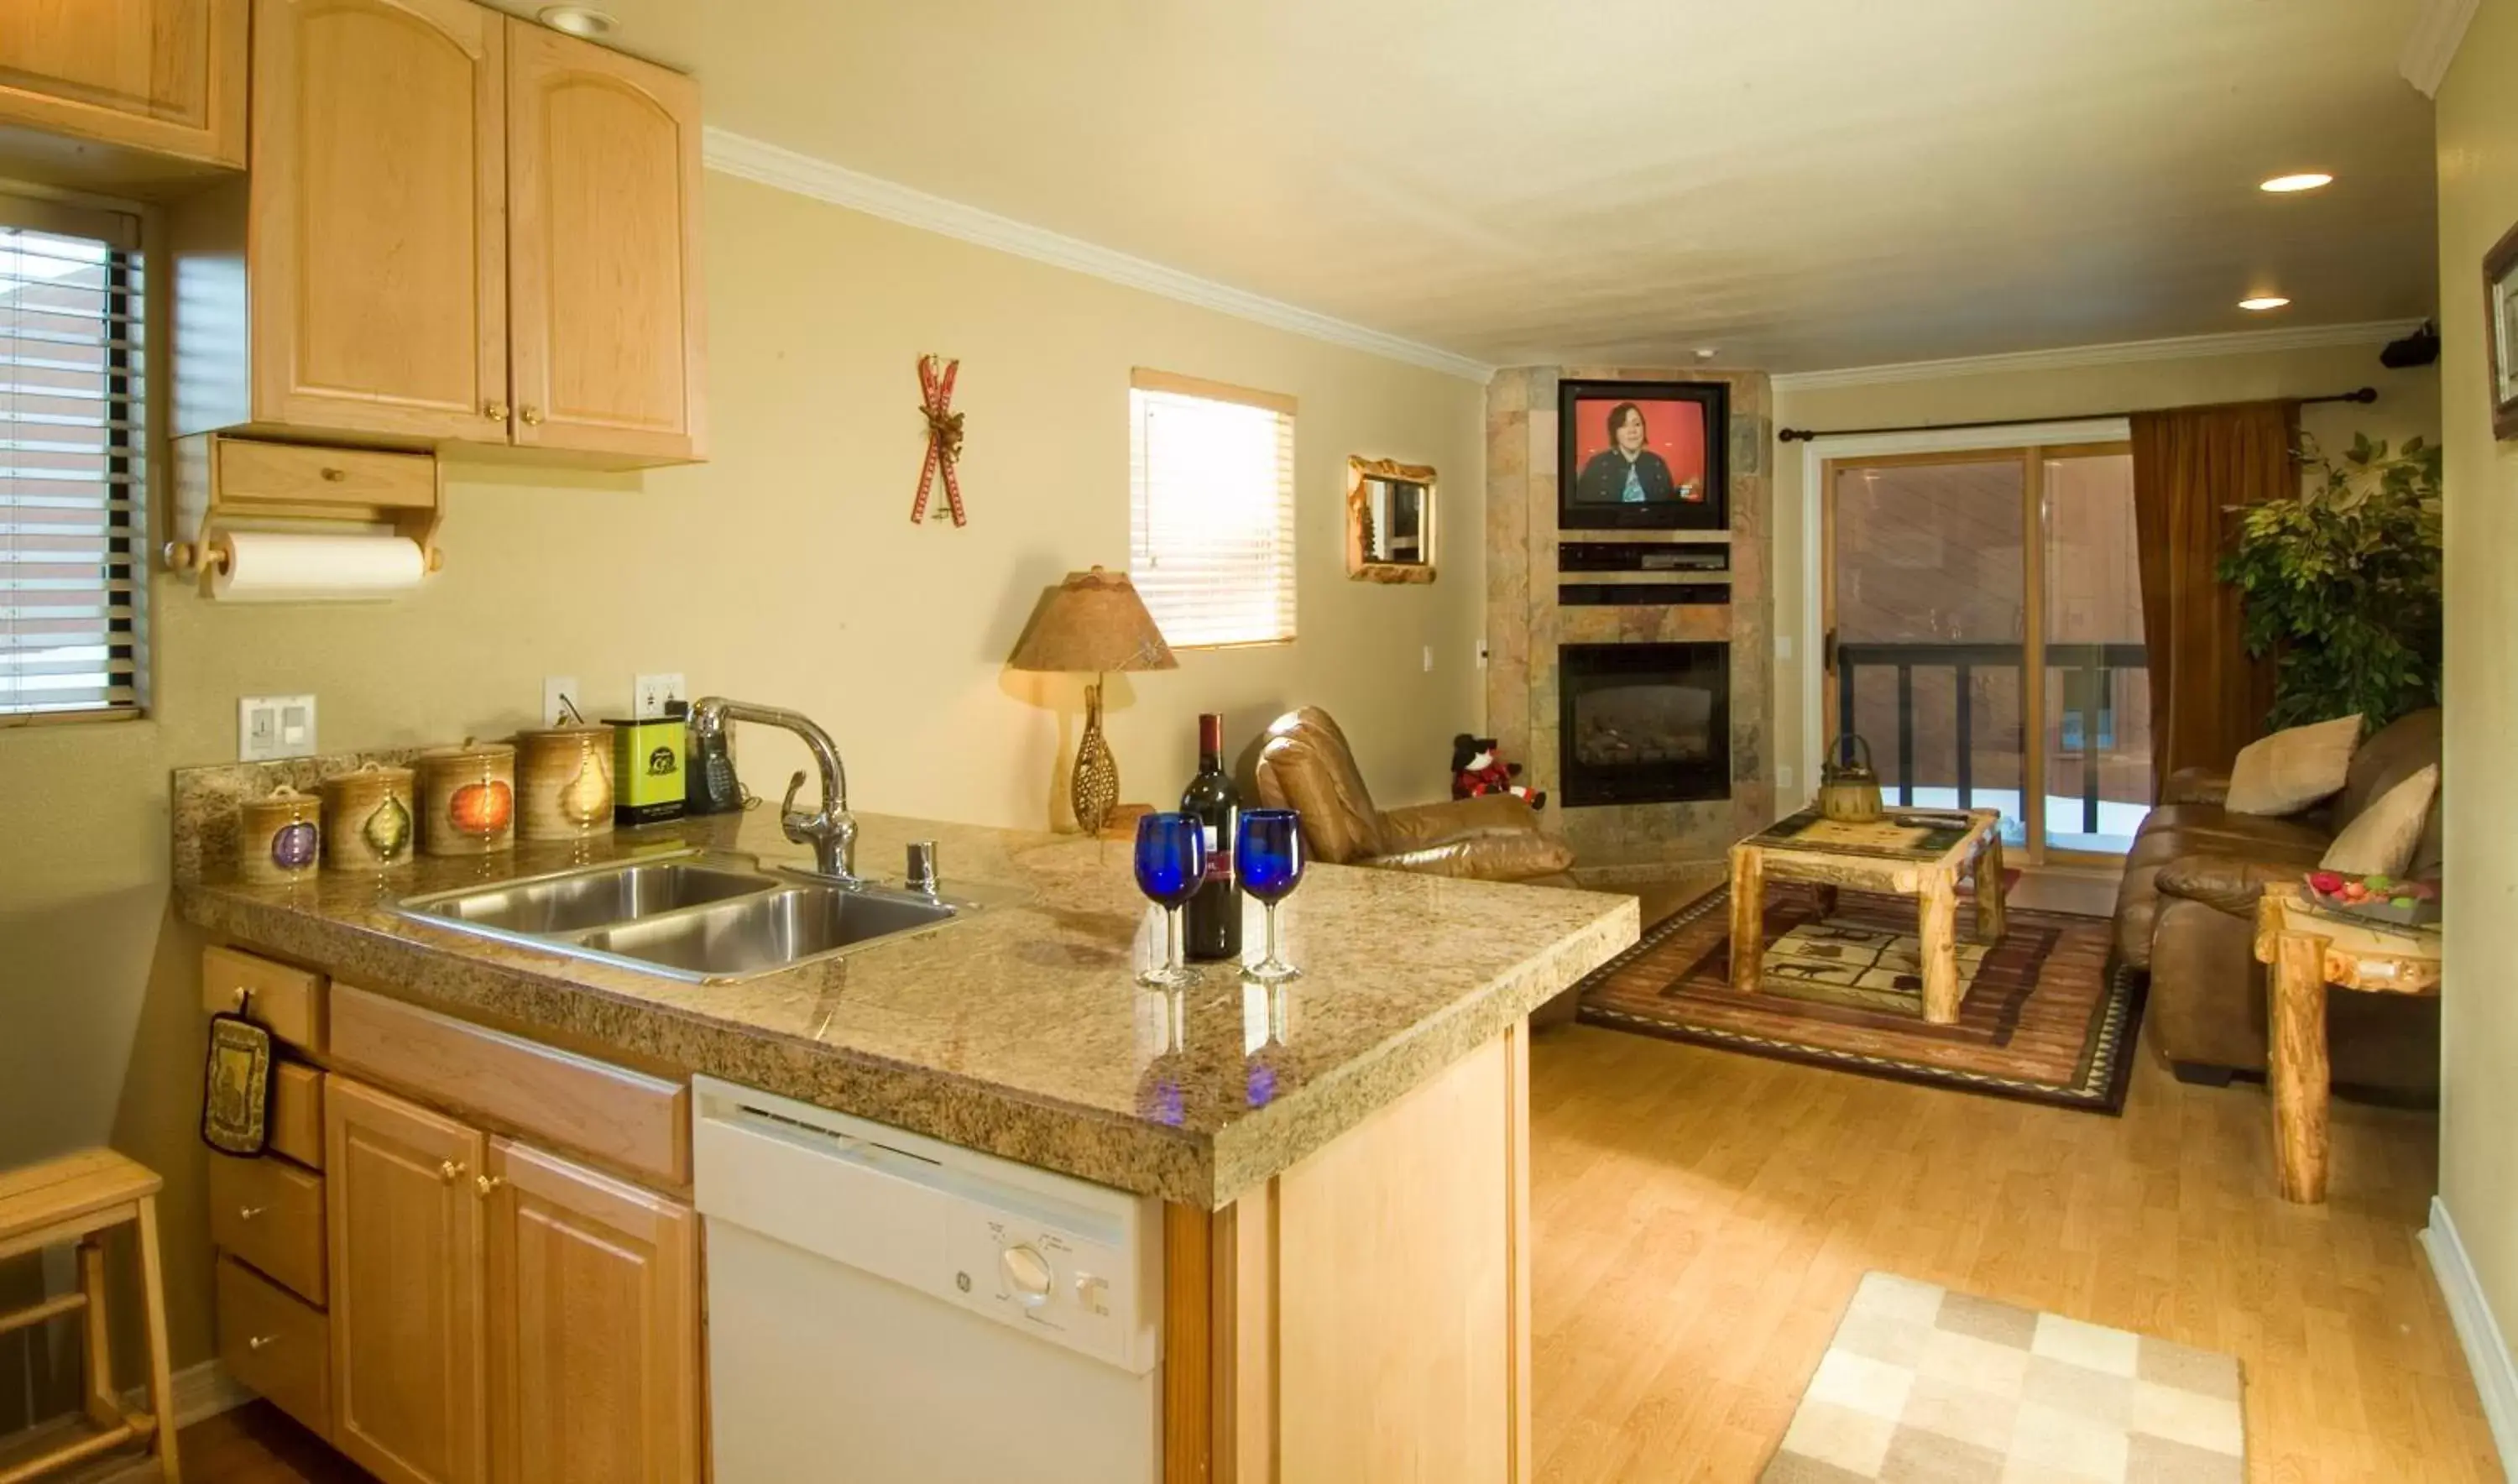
x=2091, y=671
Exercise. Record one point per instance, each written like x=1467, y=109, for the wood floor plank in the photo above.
x=1701, y=1218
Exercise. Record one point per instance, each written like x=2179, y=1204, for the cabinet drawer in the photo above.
x=628, y=1118
x=277, y=1344
x=288, y=1002
x=297, y=1113
x=306, y=473
x=269, y=1213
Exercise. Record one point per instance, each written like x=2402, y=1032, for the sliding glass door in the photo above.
x=1984, y=635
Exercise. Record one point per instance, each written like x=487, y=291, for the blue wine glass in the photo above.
x=1269, y=852
x=1171, y=865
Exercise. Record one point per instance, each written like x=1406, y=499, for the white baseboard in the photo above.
x=2487, y=1354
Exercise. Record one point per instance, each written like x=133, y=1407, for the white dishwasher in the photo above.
x=884, y=1308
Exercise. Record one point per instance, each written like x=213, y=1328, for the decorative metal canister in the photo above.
x=467, y=799
x=367, y=821
x=278, y=839
x=565, y=775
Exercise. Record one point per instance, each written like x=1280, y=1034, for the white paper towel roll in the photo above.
x=272, y=567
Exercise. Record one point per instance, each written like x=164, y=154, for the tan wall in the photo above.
x=2408, y=404
x=2478, y=195
x=786, y=571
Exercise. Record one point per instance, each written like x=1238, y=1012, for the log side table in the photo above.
x=1910, y=853
x=2306, y=951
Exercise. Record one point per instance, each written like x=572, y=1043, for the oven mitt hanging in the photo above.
x=235, y=1100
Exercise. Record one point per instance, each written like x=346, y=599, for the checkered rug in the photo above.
x=1922, y=1385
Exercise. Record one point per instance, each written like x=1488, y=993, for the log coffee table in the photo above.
x=1912, y=852
x=2307, y=950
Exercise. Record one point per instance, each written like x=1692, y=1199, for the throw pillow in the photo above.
x=2388, y=832
x=2289, y=770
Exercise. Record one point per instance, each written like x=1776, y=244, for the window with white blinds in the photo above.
x=71, y=475
x=1211, y=509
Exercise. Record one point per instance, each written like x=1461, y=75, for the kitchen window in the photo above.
x=72, y=478
x=1211, y=509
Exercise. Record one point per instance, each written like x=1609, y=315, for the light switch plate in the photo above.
x=649, y=693
x=1429, y=659
x=1784, y=778
x=1783, y=647
x=275, y=726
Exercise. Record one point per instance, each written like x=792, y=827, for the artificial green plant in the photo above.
x=2342, y=585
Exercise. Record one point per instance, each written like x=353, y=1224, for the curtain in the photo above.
x=2190, y=465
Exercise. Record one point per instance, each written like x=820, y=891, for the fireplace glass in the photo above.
x=1644, y=724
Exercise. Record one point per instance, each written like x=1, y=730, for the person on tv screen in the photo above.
x=1626, y=472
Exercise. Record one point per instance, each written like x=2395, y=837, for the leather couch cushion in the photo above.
x=1306, y=764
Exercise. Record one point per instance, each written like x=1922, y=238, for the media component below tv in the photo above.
x=1643, y=456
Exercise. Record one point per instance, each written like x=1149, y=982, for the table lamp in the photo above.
x=1093, y=623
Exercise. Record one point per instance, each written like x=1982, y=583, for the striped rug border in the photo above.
x=2113, y=1032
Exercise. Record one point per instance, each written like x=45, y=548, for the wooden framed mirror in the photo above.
x=1390, y=521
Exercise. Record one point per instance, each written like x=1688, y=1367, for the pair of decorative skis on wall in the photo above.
x=943, y=437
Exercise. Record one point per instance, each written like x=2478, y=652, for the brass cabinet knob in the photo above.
x=450, y=1170
x=533, y=416
x=248, y=1212
x=258, y=1342
x=335, y=476
x=483, y=1184
x=496, y=411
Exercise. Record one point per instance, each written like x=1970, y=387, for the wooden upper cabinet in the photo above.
x=593, y=1327
x=377, y=234
x=405, y=1218
x=603, y=180
x=163, y=76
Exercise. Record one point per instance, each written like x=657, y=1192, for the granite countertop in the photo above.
x=1020, y=1031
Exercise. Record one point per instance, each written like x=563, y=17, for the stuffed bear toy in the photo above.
x=1477, y=767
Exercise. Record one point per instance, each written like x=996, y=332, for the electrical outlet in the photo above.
x=1784, y=779
x=650, y=692
x=559, y=694
x=275, y=726
x=1783, y=647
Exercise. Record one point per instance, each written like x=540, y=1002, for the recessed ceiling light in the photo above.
x=2263, y=302
x=1707, y=352
x=2308, y=180
x=576, y=19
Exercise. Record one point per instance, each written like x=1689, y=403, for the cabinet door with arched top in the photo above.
x=378, y=266
x=603, y=155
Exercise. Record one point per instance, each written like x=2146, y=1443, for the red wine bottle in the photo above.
x=1215, y=912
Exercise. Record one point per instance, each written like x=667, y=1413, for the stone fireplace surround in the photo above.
x=1525, y=625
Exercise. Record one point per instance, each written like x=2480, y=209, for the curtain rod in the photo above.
x=2364, y=395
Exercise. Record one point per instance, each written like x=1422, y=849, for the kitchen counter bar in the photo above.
x=1020, y=1031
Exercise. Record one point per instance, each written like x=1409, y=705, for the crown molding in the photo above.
x=785, y=169
x=2177, y=348
x=2432, y=43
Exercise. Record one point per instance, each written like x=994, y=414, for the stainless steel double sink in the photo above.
x=702, y=916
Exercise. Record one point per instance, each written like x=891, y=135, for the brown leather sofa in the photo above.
x=1306, y=764
x=2186, y=912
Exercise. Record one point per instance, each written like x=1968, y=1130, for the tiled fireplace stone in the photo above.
x=1524, y=624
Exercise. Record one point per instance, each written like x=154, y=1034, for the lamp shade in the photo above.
x=1092, y=622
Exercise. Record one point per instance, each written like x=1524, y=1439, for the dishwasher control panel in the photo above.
x=1072, y=1263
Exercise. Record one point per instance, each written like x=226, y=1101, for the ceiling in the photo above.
x=1801, y=184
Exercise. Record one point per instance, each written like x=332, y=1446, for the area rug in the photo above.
x=2044, y=1019
x=1922, y=1385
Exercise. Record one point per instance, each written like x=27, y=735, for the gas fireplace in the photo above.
x=1644, y=724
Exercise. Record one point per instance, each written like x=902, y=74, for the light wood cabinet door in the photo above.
x=405, y=1291
x=167, y=76
x=593, y=1327
x=603, y=158
x=377, y=225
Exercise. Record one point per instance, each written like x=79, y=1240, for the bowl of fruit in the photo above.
x=2384, y=897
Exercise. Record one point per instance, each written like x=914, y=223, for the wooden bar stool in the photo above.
x=78, y=1197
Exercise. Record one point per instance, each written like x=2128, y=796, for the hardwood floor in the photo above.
x=1699, y=1219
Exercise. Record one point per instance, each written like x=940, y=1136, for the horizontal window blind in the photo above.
x=1211, y=511
x=71, y=465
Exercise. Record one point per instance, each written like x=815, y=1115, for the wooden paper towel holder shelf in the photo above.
x=224, y=483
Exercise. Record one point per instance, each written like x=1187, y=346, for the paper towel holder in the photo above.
x=224, y=482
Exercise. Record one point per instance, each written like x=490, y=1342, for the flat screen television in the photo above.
x=1649, y=455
